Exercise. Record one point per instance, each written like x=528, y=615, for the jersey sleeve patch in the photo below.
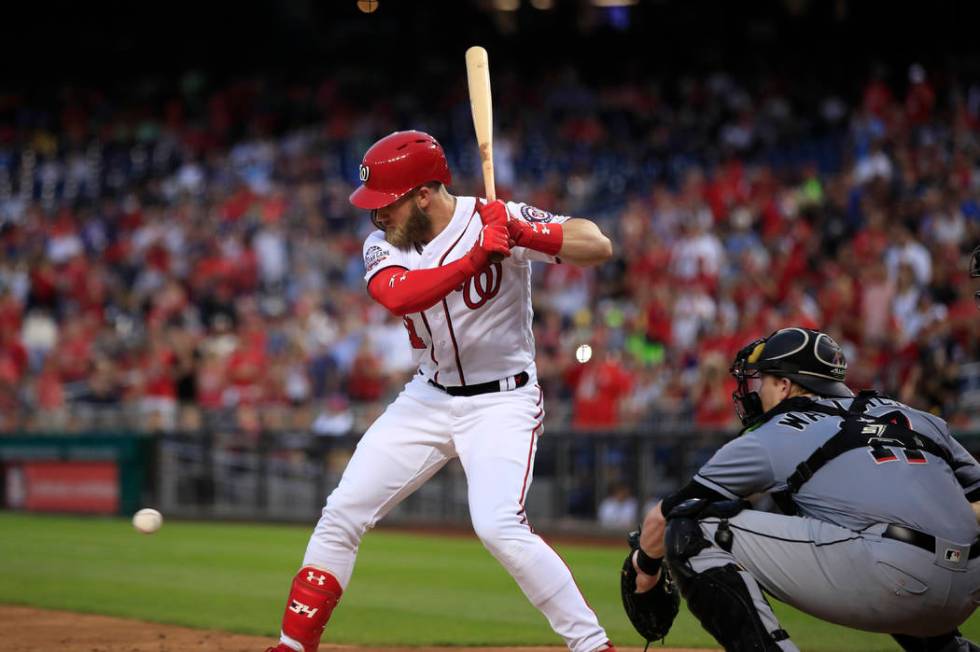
x=374, y=256
x=532, y=214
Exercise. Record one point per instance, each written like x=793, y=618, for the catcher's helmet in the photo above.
x=811, y=359
x=396, y=165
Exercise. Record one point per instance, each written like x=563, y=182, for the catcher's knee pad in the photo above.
x=721, y=601
x=683, y=536
x=683, y=539
x=312, y=598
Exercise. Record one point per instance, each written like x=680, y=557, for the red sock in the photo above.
x=312, y=597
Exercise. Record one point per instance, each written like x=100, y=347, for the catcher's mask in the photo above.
x=975, y=272
x=811, y=359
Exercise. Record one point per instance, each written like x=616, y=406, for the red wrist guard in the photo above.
x=546, y=238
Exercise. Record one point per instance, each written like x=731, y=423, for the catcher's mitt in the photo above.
x=651, y=612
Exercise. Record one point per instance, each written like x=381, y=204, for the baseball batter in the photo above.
x=877, y=530
x=457, y=271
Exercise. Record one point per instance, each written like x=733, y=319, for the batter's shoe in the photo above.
x=282, y=647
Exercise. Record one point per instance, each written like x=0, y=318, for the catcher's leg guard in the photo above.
x=718, y=597
x=312, y=598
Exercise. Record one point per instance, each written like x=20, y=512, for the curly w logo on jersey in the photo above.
x=482, y=287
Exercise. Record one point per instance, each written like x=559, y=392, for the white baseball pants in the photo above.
x=495, y=437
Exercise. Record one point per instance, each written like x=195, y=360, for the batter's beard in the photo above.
x=416, y=228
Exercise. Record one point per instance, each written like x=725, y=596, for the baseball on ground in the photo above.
x=147, y=520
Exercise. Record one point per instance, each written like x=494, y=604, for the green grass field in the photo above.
x=406, y=590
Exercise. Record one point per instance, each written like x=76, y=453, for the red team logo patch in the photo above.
x=484, y=286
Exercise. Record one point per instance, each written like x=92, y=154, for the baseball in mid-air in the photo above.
x=147, y=520
x=583, y=353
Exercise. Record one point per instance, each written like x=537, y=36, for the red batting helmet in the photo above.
x=397, y=164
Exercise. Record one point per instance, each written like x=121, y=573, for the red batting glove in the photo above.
x=494, y=212
x=540, y=236
x=493, y=244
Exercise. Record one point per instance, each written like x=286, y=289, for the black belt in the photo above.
x=511, y=382
x=921, y=539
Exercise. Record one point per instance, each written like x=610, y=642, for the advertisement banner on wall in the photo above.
x=71, y=486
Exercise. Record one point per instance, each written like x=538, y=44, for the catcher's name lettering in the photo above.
x=800, y=420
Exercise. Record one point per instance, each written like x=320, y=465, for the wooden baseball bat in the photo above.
x=481, y=106
x=478, y=78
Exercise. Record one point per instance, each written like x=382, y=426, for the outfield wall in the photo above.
x=285, y=476
x=93, y=473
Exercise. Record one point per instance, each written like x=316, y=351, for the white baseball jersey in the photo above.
x=481, y=331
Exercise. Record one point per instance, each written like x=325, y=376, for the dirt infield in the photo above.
x=37, y=630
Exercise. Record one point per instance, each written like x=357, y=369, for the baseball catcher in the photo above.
x=877, y=527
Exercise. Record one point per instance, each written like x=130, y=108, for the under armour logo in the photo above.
x=952, y=555
x=298, y=607
x=312, y=577
x=545, y=230
x=391, y=281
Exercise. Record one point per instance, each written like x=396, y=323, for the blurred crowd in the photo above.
x=182, y=255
